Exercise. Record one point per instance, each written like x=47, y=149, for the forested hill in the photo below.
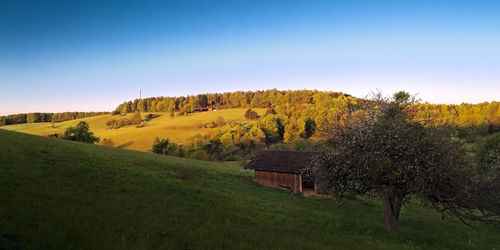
x=309, y=104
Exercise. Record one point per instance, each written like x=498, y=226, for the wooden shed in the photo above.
x=283, y=170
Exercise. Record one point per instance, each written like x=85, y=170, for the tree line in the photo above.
x=45, y=117
x=312, y=104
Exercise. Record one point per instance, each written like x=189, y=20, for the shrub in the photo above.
x=80, y=133
x=251, y=114
x=219, y=121
x=134, y=120
x=197, y=153
x=160, y=146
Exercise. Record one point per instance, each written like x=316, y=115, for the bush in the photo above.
x=79, y=133
x=219, y=121
x=251, y=114
x=160, y=146
x=167, y=147
x=197, y=153
x=135, y=120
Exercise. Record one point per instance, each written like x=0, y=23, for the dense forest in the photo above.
x=45, y=117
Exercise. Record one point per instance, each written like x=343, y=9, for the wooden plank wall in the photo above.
x=290, y=181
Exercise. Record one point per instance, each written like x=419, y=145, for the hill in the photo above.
x=180, y=129
x=63, y=194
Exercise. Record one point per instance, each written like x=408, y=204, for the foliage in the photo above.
x=79, y=133
x=166, y=147
x=489, y=153
x=197, y=153
x=273, y=127
x=318, y=106
x=251, y=114
x=380, y=150
x=218, y=122
x=213, y=147
x=310, y=145
x=118, y=123
x=309, y=128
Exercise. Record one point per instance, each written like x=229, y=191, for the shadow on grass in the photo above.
x=126, y=144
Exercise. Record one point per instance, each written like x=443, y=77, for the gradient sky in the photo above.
x=93, y=55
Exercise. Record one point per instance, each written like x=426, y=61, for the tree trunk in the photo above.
x=392, y=206
x=398, y=202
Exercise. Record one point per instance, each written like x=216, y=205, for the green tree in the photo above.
x=309, y=128
x=33, y=117
x=246, y=146
x=160, y=146
x=142, y=106
x=213, y=147
x=171, y=107
x=80, y=133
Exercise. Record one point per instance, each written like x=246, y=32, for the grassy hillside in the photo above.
x=179, y=129
x=63, y=194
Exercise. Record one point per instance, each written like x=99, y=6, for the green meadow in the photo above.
x=67, y=195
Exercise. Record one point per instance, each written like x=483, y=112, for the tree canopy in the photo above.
x=79, y=133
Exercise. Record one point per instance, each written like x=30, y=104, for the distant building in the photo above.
x=283, y=170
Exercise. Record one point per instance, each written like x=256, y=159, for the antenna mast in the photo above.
x=140, y=96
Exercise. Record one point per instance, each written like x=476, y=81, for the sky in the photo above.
x=73, y=55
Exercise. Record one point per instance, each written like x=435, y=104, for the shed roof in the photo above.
x=282, y=161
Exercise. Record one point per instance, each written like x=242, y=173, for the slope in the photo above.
x=178, y=129
x=62, y=194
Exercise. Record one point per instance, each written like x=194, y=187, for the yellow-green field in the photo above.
x=178, y=129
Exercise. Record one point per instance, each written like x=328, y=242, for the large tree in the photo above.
x=379, y=149
x=80, y=133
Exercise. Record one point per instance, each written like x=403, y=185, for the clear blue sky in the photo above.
x=92, y=55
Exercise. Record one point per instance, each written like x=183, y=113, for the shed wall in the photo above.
x=290, y=181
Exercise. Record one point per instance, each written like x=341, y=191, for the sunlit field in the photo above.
x=179, y=129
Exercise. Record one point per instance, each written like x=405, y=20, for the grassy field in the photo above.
x=68, y=195
x=179, y=129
